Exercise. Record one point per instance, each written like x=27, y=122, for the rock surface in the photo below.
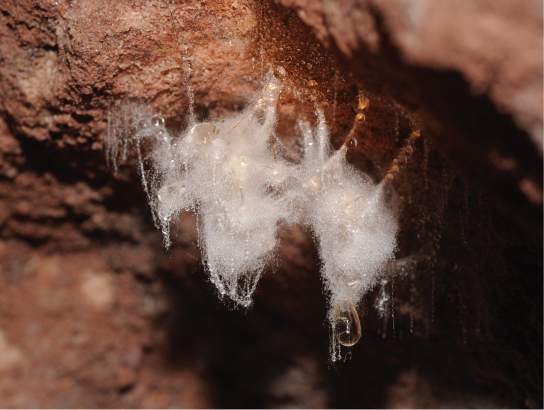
x=94, y=313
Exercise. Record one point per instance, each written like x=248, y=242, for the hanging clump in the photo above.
x=229, y=174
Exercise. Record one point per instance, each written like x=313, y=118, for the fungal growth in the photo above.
x=240, y=180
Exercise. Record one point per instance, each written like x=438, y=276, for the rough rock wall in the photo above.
x=93, y=313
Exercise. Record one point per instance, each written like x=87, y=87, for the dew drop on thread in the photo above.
x=157, y=121
x=361, y=103
x=347, y=326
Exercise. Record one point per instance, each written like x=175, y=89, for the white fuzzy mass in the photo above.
x=228, y=173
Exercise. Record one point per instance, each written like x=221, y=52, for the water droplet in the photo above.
x=415, y=134
x=360, y=203
x=316, y=184
x=348, y=207
x=361, y=103
x=352, y=142
x=186, y=50
x=354, y=284
x=171, y=192
x=204, y=132
x=360, y=118
x=157, y=121
x=143, y=124
x=317, y=96
x=270, y=244
x=408, y=150
x=244, y=161
x=309, y=66
x=280, y=72
x=347, y=327
x=271, y=92
x=189, y=64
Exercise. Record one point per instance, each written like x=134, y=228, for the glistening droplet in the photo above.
x=347, y=326
x=143, y=124
x=348, y=208
x=360, y=118
x=354, y=284
x=352, y=142
x=280, y=72
x=244, y=161
x=360, y=202
x=171, y=192
x=157, y=121
x=271, y=92
x=204, y=132
x=270, y=244
x=189, y=64
x=316, y=184
x=361, y=103
x=186, y=50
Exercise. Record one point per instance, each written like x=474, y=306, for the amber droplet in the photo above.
x=415, y=134
x=312, y=83
x=317, y=96
x=280, y=72
x=347, y=326
x=352, y=142
x=309, y=66
x=361, y=103
x=389, y=177
x=394, y=169
x=408, y=150
x=360, y=118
